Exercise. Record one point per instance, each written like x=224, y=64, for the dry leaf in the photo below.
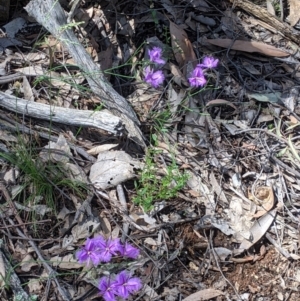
x=67, y=262
x=270, y=8
x=178, y=77
x=35, y=286
x=217, y=188
x=113, y=168
x=250, y=146
x=293, y=120
x=27, y=263
x=171, y=8
x=294, y=11
x=101, y=148
x=174, y=99
x=182, y=47
x=248, y=46
x=200, y=5
x=220, y=102
x=83, y=231
x=28, y=94
x=264, y=198
x=193, y=193
x=63, y=154
x=259, y=228
x=250, y=68
x=31, y=70
x=105, y=58
x=205, y=294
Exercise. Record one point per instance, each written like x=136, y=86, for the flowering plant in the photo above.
x=197, y=78
x=122, y=285
x=154, y=78
x=155, y=55
x=98, y=250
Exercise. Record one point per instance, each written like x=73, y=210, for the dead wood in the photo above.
x=262, y=14
x=103, y=119
x=50, y=14
x=11, y=277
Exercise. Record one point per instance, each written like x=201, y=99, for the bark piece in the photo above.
x=50, y=14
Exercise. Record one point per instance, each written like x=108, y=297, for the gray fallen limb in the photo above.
x=50, y=14
x=102, y=119
x=11, y=277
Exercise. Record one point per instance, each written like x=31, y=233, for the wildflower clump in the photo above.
x=197, y=78
x=122, y=285
x=152, y=77
x=155, y=55
x=155, y=77
x=99, y=249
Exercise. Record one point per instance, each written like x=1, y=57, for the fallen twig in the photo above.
x=122, y=200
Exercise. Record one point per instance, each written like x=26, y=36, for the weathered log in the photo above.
x=102, y=119
x=50, y=14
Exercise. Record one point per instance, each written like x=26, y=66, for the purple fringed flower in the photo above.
x=155, y=55
x=107, y=289
x=197, y=79
x=129, y=251
x=124, y=284
x=107, y=248
x=153, y=78
x=208, y=63
x=89, y=253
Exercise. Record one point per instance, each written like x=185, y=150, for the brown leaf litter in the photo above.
x=232, y=233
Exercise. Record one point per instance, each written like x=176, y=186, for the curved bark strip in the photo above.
x=50, y=14
x=103, y=119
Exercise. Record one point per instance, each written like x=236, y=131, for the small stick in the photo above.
x=123, y=202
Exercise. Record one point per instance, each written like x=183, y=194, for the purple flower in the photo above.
x=198, y=72
x=209, y=62
x=155, y=55
x=89, y=253
x=153, y=78
x=197, y=79
x=129, y=251
x=125, y=284
x=107, y=248
x=107, y=289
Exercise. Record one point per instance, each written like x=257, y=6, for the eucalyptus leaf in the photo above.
x=266, y=97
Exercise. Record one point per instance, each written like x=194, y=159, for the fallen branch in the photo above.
x=262, y=14
x=11, y=278
x=102, y=119
x=50, y=14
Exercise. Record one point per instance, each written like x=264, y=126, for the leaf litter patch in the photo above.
x=232, y=226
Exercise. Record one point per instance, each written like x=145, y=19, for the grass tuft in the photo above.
x=151, y=187
x=40, y=182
